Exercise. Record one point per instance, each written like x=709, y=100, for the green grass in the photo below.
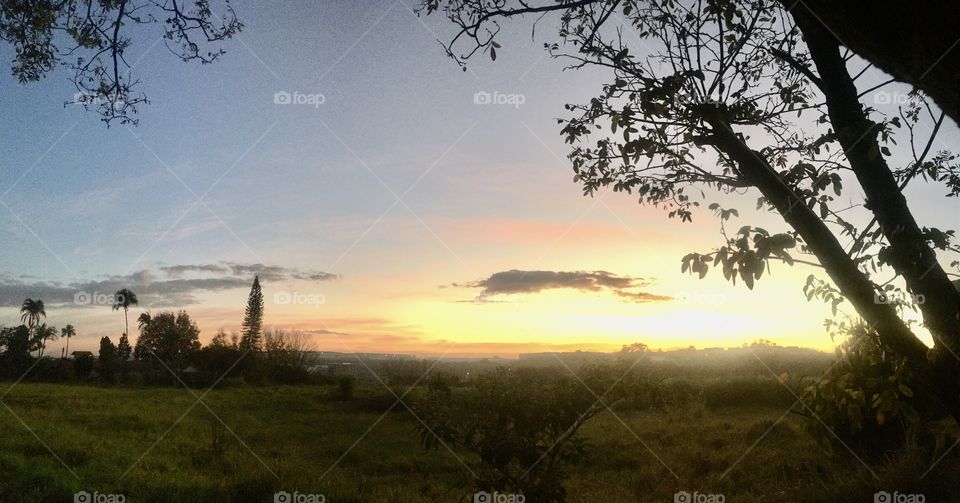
x=156, y=444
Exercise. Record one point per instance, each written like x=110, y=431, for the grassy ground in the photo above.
x=159, y=444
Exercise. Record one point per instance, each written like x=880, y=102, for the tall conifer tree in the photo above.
x=253, y=319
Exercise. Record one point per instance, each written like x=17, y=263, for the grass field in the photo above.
x=160, y=444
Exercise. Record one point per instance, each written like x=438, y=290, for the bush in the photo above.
x=866, y=401
x=522, y=423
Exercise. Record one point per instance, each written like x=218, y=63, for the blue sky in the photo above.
x=484, y=188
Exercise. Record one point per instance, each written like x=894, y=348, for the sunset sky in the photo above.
x=396, y=216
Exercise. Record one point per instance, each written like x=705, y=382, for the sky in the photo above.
x=384, y=208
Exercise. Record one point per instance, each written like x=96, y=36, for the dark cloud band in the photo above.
x=171, y=286
x=517, y=281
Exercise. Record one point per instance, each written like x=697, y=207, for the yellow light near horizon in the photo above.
x=602, y=321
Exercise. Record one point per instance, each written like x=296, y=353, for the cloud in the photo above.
x=516, y=281
x=169, y=286
x=641, y=297
x=276, y=272
x=175, y=271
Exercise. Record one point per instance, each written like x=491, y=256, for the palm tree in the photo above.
x=67, y=332
x=40, y=337
x=124, y=298
x=31, y=311
x=143, y=320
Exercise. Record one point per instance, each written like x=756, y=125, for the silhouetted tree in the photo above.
x=123, y=348
x=67, y=332
x=90, y=38
x=41, y=335
x=915, y=46
x=716, y=108
x=31, y=311
x=143, y=320
x=636, y=347
x=124, y=298
x=219, y=357
x=82, y=366
x=108, y=361
x=16, y=355
x=252, y=328
x=220, y=339
x=124, y=351
x=172, y=338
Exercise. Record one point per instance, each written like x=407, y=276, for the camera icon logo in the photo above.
x=482, y=496
x=281, y=298
x=282, y=98
x=281, y=497
x=682, y=497
x=80, y=299
x=482, y=98
x=81, y=497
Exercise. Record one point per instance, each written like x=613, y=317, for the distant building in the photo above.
x=80, y=354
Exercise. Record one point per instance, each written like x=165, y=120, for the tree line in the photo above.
x=167, y=349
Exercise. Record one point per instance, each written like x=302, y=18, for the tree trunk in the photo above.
x=851, y=281
x=910, y=254
x=915, y=43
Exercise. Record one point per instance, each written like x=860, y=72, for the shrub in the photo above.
x=866, y=400
x=522, y=423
